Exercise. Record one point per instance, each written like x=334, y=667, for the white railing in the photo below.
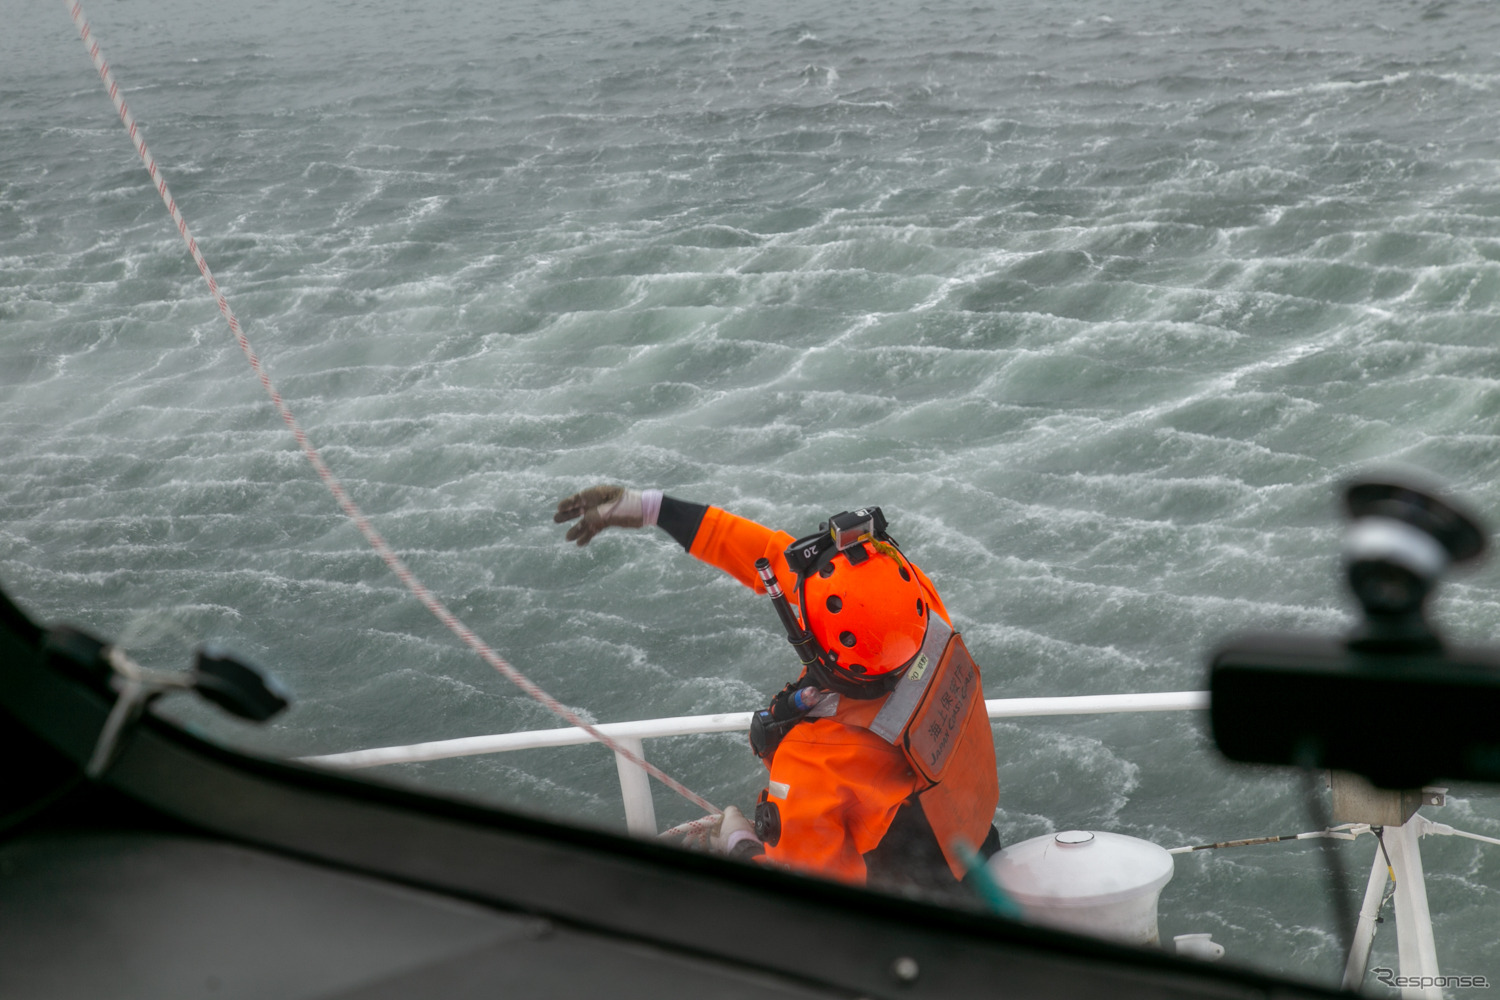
x=635, y=786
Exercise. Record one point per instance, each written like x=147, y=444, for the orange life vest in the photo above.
x=839, y=778
x=837, y=782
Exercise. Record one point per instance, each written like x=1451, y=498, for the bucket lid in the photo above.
x=1081, y=868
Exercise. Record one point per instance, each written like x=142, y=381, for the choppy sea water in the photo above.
x=1101, y=302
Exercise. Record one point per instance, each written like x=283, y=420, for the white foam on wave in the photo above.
x=1103, y=658
x=1069, y=775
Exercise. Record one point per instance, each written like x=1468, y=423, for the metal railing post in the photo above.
x=1364, y=935
x=1414, y=944
x=635, y=790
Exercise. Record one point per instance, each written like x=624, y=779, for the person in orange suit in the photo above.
x=881, y=762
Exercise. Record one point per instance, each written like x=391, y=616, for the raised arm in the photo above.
x=711, y=534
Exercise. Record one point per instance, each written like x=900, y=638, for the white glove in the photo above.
x=733, y=829
x=607, y=506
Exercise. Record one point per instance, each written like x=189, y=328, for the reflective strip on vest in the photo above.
x=902, y=702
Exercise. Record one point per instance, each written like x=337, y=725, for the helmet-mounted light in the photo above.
x=839, y=533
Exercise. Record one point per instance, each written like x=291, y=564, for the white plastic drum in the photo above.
x=1105, y=884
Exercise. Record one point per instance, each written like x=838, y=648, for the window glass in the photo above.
x=1099, y=304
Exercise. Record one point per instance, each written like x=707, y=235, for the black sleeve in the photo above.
x=680, y=519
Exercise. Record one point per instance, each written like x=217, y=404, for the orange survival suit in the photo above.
x=852, y=794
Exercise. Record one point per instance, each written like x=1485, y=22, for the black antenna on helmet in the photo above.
x=769, y=725
x=801, y=638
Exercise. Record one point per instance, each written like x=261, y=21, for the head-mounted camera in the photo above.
x=839, y=533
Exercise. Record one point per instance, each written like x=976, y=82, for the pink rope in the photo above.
x=386, y=553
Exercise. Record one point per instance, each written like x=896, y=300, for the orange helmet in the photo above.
x=862, y=603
